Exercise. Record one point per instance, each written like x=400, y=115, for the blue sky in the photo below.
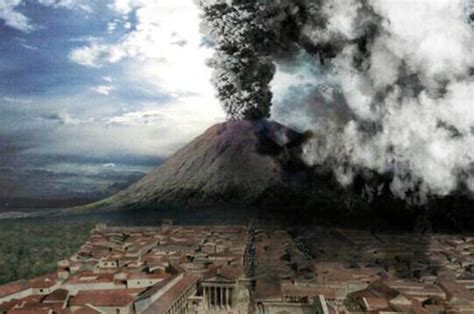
x=92, y=91
x=93, y=94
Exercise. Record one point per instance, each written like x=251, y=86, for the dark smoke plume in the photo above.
x=242, y=66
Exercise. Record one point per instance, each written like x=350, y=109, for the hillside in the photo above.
x=232, y=162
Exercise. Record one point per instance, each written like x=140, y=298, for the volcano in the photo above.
x=257, y=164
x=236, y=162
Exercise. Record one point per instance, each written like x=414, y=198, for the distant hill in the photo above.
x=7, y=204
x=233, y=162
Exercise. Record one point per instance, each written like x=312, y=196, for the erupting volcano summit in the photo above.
x=236, y=161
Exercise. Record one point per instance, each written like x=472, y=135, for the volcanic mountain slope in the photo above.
x=232, y=162
x=258, y=164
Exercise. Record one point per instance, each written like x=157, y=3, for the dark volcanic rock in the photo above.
x=232, y=162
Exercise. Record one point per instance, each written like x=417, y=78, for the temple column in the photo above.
x=215, y=296
x=204, y=295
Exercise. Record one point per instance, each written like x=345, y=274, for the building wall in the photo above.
x=74, y=288
x=18, y=295
x=44, y=291
x=281, y=307
x=142, y=283
x=116, y=310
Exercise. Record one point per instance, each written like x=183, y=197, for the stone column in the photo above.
x=215, y=296
x=204, y=295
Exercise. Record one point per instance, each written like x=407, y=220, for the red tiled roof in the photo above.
x=103, y=298
x=147, y=293
x=86, y=310
x=162, y=275
x=23, y=311
x=37, y=308
x=90, y=277
x=374, y=303
x=44, y=282
x=59, y=295
x=455, y=290
x=169, y=297
x=32, y=299
x=13, y=288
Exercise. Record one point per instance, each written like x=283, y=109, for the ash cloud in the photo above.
x=241, y=63
x=393, y=91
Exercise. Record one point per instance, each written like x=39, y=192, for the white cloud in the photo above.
x=111, y=27
x=123, y=6
x=155, y=130
x=424, y=139
x=164, y=50
x=67, y=4
x=431, y=36
x=95, y=54
x=13, y=18
x=172, y=49
x=17, y=100
x=103, y=89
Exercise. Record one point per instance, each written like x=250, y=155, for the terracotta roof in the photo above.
x=44, y=282
x=13, y=288
x=372, y=303
x=37, y=308
x=455, y=290
x=231, y=272
x=155, y=288
x=105, y=298
x=169, y=297
x=90, y=277
x=59, y=295
x=32, y=299
x=29, y=311
x=86, y=310
x=161, y=275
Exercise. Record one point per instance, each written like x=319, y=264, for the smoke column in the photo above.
x=242, y=67
x=392, y=91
